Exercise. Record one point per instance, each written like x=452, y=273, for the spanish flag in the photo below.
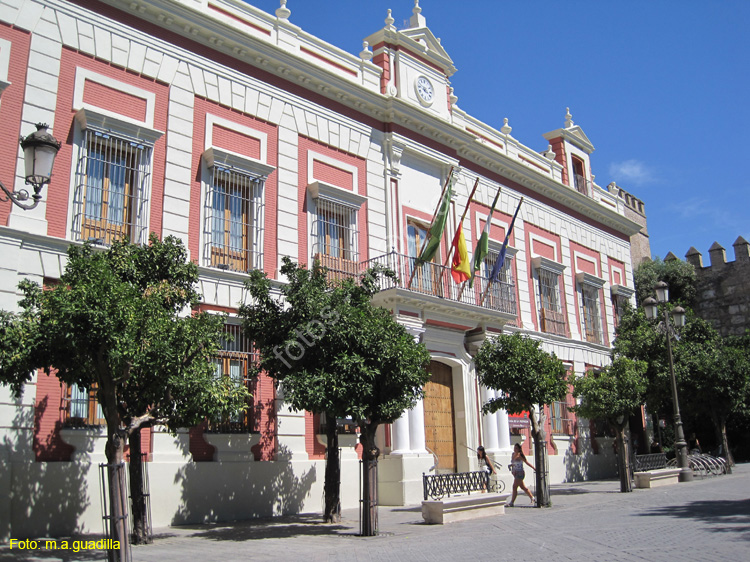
x=461, y=268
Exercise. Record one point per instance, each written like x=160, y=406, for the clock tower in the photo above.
x=416, y=68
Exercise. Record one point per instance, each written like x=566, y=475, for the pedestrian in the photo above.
x=485, y=464
x=517, y=469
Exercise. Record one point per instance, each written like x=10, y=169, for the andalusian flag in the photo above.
x=461, y=269
x=483, y=245
x=438, y=225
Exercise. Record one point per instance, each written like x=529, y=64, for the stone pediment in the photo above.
x=428, y=41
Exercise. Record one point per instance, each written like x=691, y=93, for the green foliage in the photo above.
x=330, y=348
x=616, y=392
x=120, y=319
x=525, y=373
x=678, y=274
x=713, y=372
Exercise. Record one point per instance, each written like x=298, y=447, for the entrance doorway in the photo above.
x=440, y=431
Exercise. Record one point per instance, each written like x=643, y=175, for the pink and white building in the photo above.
x=250, y=139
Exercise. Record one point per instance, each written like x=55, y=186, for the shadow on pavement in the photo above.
x=283, y=527
x=727, y=516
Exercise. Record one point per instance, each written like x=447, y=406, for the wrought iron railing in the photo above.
x=437, y=486
x=653, y=461
x=582, y=185
x=436, y=280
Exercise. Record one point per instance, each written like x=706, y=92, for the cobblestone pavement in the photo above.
x=704, y=520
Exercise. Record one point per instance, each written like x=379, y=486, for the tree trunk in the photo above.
x=720, y=429
x=369, y=481
x=137, y=498
x=332, y=486
x=540, y=459
x=118, y=525
x=623, y=459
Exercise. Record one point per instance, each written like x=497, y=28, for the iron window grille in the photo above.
x=111, y=192
x=591, y=314
x=233, y=232
x=335, y=237
x=550, y=311
x=82, y=408
x=236, y=360
x=561, y=422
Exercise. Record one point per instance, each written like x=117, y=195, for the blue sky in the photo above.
x=660, y=87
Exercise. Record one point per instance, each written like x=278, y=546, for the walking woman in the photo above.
x=485, y=463
x=516, y=468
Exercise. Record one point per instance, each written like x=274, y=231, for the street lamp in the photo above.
x=39, y=151
x=650, y=305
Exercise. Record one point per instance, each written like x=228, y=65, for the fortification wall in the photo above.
x=724, y=287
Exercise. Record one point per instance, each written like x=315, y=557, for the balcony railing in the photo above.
x=436, y=280
x=583, y=185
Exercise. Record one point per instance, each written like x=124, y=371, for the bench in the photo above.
x=658, y=477
x=461, y=508
x=652, y=471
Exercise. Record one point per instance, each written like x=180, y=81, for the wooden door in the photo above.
x=440, y=432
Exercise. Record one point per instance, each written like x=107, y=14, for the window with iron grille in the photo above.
x=335, y=237
x=235, y=360
x=233, y=236
x=550, y=310
x=561, y=422
x=110, y=199
x=82, y=408
x=591, y=313
x=502, y=293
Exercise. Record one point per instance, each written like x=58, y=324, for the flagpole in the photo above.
x=489, y=217
x=429, y=233
x=505, y=245
x=463, y=216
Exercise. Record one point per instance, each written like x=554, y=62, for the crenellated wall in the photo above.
x=724, y=287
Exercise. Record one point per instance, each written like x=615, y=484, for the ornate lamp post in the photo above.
x=651, y=308
x=39, y=151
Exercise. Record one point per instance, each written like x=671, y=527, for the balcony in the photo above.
x=433, y=285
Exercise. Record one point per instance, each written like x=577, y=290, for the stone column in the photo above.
x=489, y=422
x=416, y=428
x=503, y=431
x=400, y=442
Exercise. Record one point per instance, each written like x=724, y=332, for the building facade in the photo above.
x=250, y=140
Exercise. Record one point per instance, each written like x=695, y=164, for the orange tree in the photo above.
x=119, y=321
x=527, y=376
x=333, y=352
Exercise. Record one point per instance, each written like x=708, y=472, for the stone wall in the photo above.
x=724, y=287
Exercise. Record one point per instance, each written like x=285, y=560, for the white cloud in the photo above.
x=631, y=172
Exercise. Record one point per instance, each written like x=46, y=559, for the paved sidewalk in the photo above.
x=704, y=520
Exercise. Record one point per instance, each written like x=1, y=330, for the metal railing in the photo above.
x=582, y=185
x=652, y=461
x=436, y=486
x=436, y=280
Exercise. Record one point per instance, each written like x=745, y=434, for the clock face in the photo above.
x=424, y=89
